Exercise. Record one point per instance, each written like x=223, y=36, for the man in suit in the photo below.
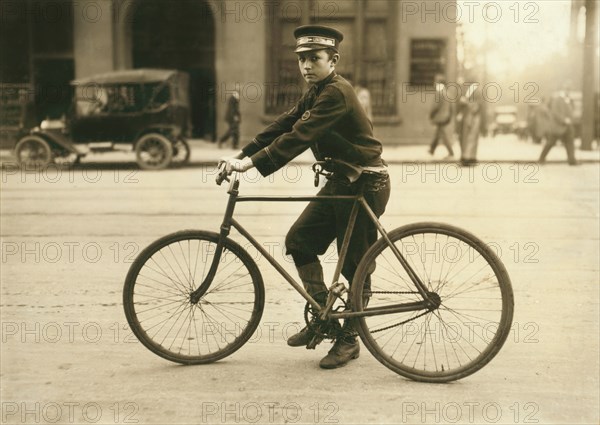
x=440, y=116
x=561, y=126
x=233, y=118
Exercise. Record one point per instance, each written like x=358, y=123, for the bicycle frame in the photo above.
x=325, y=312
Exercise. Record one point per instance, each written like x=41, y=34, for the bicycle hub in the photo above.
x=434, y=301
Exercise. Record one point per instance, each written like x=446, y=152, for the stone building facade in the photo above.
x=393, y=48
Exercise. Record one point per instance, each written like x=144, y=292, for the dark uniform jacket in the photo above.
x=329, y=120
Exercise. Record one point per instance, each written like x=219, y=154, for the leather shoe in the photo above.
x=302, y=338
x=309, y=338
x=344, y=350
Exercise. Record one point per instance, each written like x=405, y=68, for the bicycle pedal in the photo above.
x=316, y=340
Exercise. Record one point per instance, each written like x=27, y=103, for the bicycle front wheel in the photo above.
x=156, y=298
x=475, y=309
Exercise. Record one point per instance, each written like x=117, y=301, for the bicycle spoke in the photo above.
x=223, y=310
x=145, y=285
x=189, y=285
x=408, y=283
x=165, y=274
x=464, y=287
x=174, y=339
x=159, y=307
x=469, y=316
x=174, y=273
x=176, y=286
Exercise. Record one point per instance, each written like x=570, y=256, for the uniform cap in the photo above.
x=317, y=37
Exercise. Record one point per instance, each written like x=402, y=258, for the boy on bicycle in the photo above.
x=329, y=120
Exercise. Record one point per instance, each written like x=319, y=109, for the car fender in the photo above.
x=56, y=137
x=169, y=131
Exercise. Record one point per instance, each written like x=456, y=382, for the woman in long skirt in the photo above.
x=469, y=124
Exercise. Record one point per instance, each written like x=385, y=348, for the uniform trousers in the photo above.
x=324, y=221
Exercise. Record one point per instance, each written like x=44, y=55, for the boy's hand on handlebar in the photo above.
x=228, y=165
x=232, y=164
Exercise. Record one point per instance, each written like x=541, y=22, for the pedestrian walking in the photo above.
x=233, y=119
x=561, y=127
x=440, y=116
x=470, y=123
x=329, y=120
x=539, y=120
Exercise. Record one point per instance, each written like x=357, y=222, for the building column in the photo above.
x=93, y=46
x=239, y=65
x=590, y=75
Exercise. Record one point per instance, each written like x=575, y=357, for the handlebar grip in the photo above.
x=222, y=176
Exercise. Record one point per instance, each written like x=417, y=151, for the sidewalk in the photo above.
x=503, y=148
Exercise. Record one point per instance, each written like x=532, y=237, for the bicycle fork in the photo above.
x=225, y=229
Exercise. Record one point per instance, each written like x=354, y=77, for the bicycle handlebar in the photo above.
x=222, y=175
x=324, y=168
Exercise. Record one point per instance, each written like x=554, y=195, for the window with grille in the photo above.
x=367, y=52
x=427, y=58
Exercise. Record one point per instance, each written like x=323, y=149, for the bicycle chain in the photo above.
x=393, y=292
x=404, y=321
x=387, y=327
x=401, y=323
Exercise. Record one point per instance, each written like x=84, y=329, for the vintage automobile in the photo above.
x=146, y=110
x=505, y=120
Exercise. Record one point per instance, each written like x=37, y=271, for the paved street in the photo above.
x=69, y=236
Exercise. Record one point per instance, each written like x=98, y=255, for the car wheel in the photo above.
x=181, y=152
x=153, y=151
x=33, y=151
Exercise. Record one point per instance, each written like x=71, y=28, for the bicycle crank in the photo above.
x=322, y=329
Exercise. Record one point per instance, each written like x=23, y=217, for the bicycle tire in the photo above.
x=488, y=322
x=157, y=291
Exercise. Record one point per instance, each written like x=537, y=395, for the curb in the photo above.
x=204, y=154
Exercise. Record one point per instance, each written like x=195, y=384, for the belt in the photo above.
x=374, y=181
x=381, y=169
x=370, y=180
x=353, y=171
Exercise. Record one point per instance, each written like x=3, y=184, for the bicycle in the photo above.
x=430, y=301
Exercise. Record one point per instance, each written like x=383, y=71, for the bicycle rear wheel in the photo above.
x=472, y=321
x=156, y=298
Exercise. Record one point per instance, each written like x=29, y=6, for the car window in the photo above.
x=124, y=98
x=157, y=94
x=110, y=99
x=91, y=100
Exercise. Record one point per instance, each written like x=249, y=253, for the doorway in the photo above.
x=180, y=35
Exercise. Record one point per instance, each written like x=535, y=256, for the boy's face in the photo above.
x=316, y=65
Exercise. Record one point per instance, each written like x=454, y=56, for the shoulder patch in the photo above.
x=305, y=115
